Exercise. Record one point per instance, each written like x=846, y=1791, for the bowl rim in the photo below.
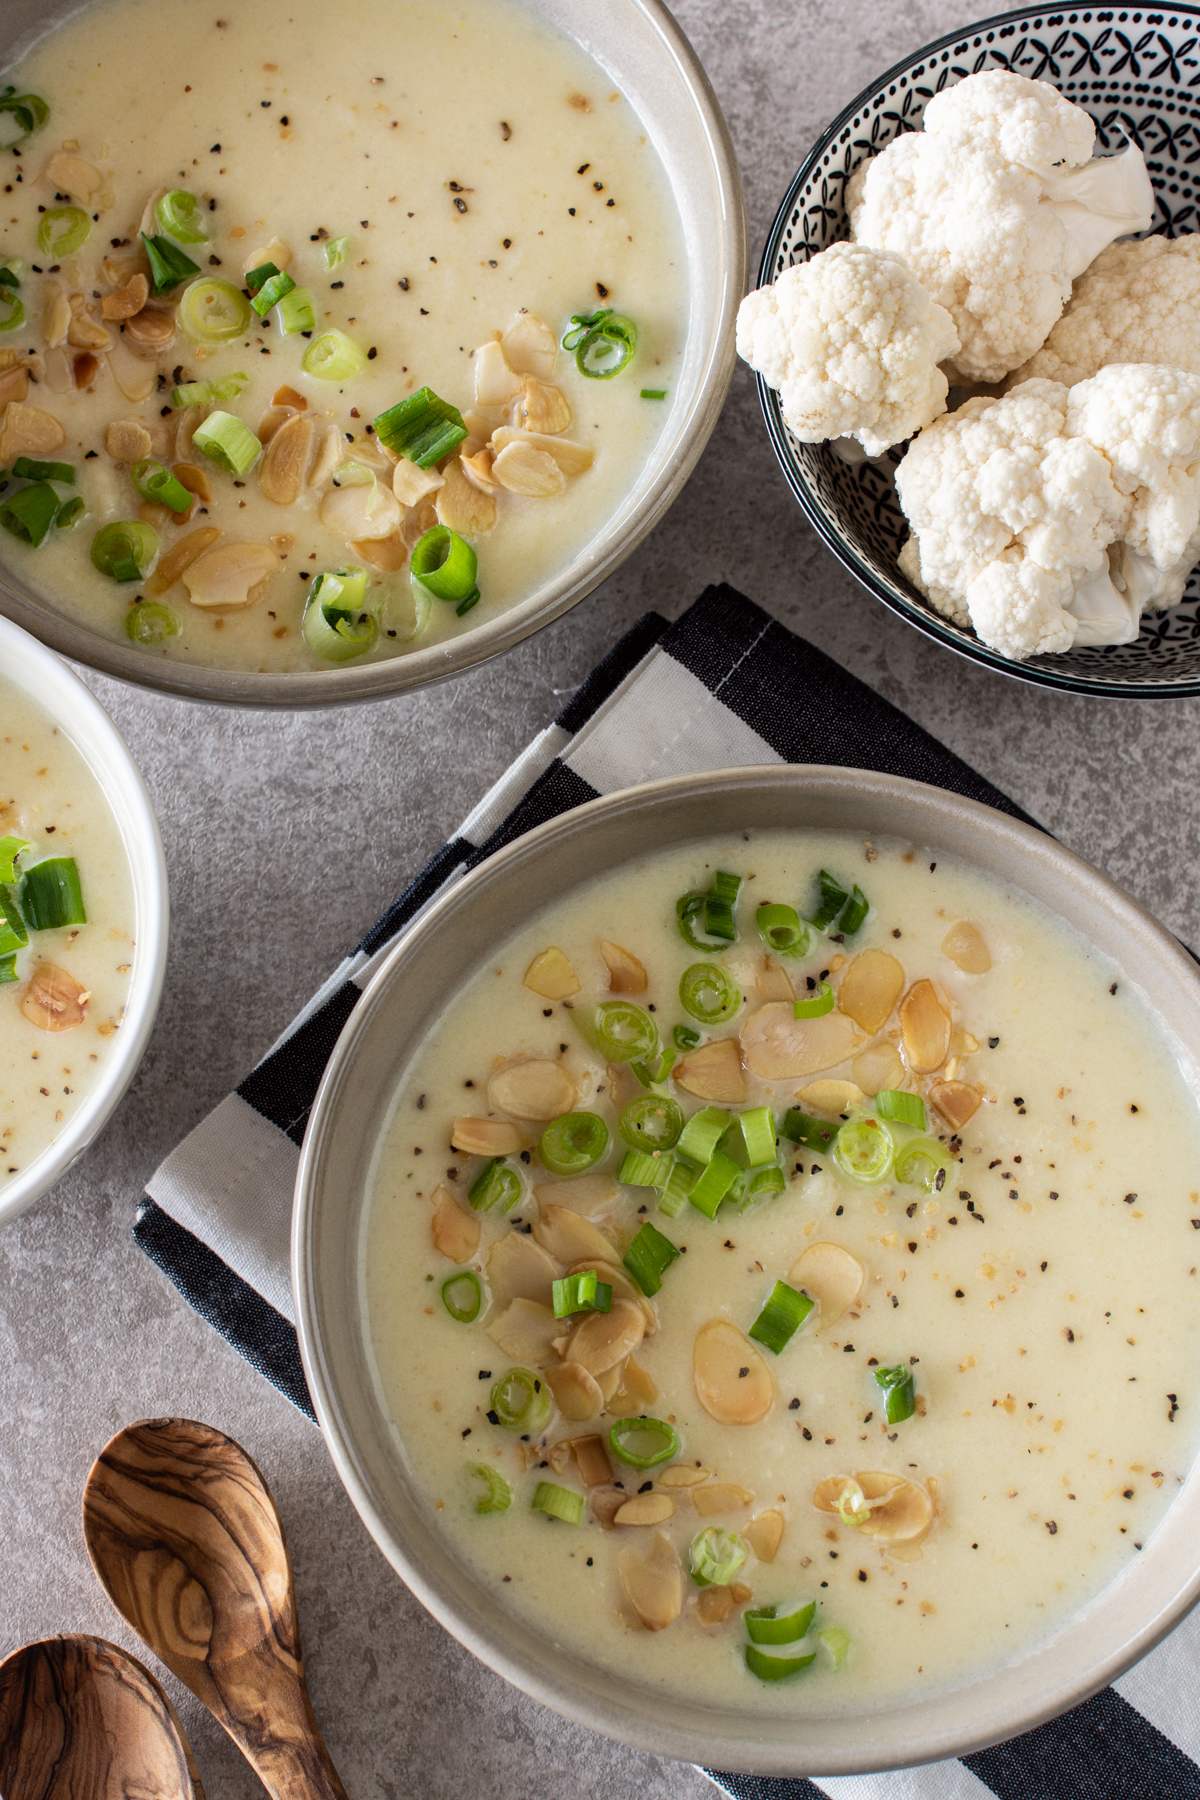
x=43, y=677
x=727, y=255
x=890, y=1740
x=970, y=648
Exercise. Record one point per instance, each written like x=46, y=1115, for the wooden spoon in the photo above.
x=82, y=1720
x=185, y=1538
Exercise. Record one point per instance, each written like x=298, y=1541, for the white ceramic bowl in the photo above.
x=48, y=681
x=406, y=997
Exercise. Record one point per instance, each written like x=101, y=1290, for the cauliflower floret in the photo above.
x=852, y=342
x=1054, y=516
x=996, y=208
x=1138, y=303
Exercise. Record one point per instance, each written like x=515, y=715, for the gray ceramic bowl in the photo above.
x=1128, y=69
x=405, y=998
x=639, y=44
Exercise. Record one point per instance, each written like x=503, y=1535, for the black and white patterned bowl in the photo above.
x=1136, y=70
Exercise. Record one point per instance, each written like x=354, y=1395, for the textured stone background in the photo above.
x=285, y=837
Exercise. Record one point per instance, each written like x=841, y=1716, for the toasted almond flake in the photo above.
x=28, y=431
x=519, y=1269
x=181, y=557
x=417, y=521
x=60, y=371
x=602, y=1340
x=831, y=1097
x=957, y=1101
x=586, y=1194
x=84, y=332
x=194, y=479
x=327, y=455
x=571, y=458
x=764, y=1534
x=54, y=1000
x=127, y=441
x=56, y=313
x=870, y=989
x=477, y=467
x=14, y=385
x=653, y=1582
x=898, y=1510
x=638, y=1387
x=965, y=947
x=558, y=1455
x=831, y=1276
x=878, y=1066
x=495, y=383
x=569, y=1238
x=591, y=1459
x=772, y=982
x=720, y=1354
x=462, y=505
x=287, y=396
x=385, y=554
x=522, y=469
x=355, y=513
x=526, y=1331
x=489, y=1137
x=719, y=1497
x=541, y=407
x=284, y=467
x=777, y=1045
x=610, y=1381
x=276, y=252
x=127, y=300
x=714, y=1072
x=626, y=975
x=273, y=420
x=576, y=1393
x=152, y=512
x=530, y=348
x=551, y=976
x=715, y=1605
x=151, y=330
x=925, y=1026
x=230, y=576
x=646, y=1509
x=412, y=485
x=454, y=1230
x=681, y=1475
x=606, y=1501
x=71, y=175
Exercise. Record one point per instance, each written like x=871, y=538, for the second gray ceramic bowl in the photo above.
x=639, y=45
x=407, y=996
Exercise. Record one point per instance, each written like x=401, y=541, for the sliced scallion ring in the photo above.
x=207, y=393
x=573, y=1143
x=497, y=1495
x=14, y=316
x=520, y=1401
x=814, y=1134
x=864, y=1150
x=336, y=251
x=424, y=428
x=645, y=1169
x=648, y=1256
x=268, y=293
x=617, y=1029
x=832, y=898
x=897, y=1385
x=782, y=1316
x=495, y=1187
x=923, y=1163
x=905, y=1108
x=651, y=1122
x=685, y=1038
x=228, y=443
x=62, y=230
x=643, y=1443
x=604, y=342
x=8, y=968
x=27, y=468
x=30, y=513
x=51, y=896
x=751, y=1139
x=703, y=1132
x=837, y=1642
x=444, y=564
x=168, y=264
x=715, y=1556
x=816, y=1004
x=462, y=1295
x=11, y=846
x=296, y=312
x=70, y=513
x=708, y=992
x=125, y=549
x=14, y=934
x=760, y=1184
x=155, y=482
x=182, y=217
x=782, y=930
x=151, y=623
x=717, y=1181
x=558, y=1502
x=775, y=1668
x=673, y=1197
x=338, y=624
x=214, y=312
x=333, y=357
x=582, y=1292
x=28, y=113
x=765, y=1626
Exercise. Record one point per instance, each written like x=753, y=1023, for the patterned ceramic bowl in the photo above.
x=1137, y=72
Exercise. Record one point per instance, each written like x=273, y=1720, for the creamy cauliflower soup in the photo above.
x=781, y=1271
x=338, y=337
x=66, y=931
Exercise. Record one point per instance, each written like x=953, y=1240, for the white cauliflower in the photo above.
x=1138, y=303
x=852, y=342
x=1054, y=516
x=996, y=208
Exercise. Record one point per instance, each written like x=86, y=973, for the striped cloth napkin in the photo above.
x=725, y=686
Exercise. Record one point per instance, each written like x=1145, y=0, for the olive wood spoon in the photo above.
x=186, y=1541
x=82, y=1720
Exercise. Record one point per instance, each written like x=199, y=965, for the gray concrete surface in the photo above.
x=285, y=837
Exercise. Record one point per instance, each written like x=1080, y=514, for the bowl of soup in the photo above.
x=353, y=357
x=83, y=918
x=744, y=1261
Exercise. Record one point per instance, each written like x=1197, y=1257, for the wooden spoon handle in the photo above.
x=300, y=1772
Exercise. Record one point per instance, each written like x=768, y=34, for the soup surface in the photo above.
x=63, y=994
x=472, y=169
x=985, y=1412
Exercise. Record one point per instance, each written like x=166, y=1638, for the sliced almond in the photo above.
x=284, y=467
x=231, y=576
x=569, y=1238
x=28, y=431
x=495, y=383
x=127, y=300
x=526, y=1331
x=606, y=1501
x=714, y=1072
x=645, y=1509
x=273, y=420
x=136, y=377
x=417, y=521
x=966, y=949
x=681, y=1475
x=489, y=1137
x=903, y=1510
x=551, y=976
x=522, y=469
x=777, y=1045
x=181, y=557
x=152, y=330
x=354, y=513
x=878, y=1066
x=558, y=1455
x=957, y=1101
x=601, y=1340
x=530, y=348
x=519, y=1269
x=186, y=426
x=477, y=467
x=870, y=988
x=962, y=1043
x=462, y=505
x=85, y=368
x=831, y=1097
x=572, y=458
x=412, y=485
x=626, y=975
x=653, y=1582
x=287, y=396
x=127, y=441
x=831, y=1276
x=14, y=385
x=541, y=407
x=71, y=175
x=772, y=982
x=276, y=252
x=54, y=1000
x=60, y=372
x=610, y=1381
x=152, y=512
x=586, y=1194
x=56, y=313
x=719, y=1497
x=715, y=1605
x=591, y=1459
x=638, y=1386
x=385, y=554
x=194, y=480
x=576, y=1392
x=454, y=1230
x=764, y=1534
x=328, y=453
x=733, y=1384
x=925, y=1027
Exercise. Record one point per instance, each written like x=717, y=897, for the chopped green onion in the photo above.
x=765, y=1627
x=750, y=1140
x=572, y=1143
x=642, y=1168
x=181, y=217
x=155, y=482
x=334, y=357
x=214, y=312
x=897, y=1384
x=270, y=292
x=703, y=1132
x=28, y=111
x=14, y=318
x=725, y=886
x=906, y=1109
x=714, y=1184
x=833, y=897
x=296, y=312
x=837, y=1642
x=520, y=1401
x=782, y=928
x=496, y=1185
x=852, y=1505
x=581, y=1293
x=63, y=230
x=643, y=1443
x=205, y=393
x=11, y=847
x=814, y=1134
x=497, y=1495
x=651, y=1122
x=228, y=443
x=816, y=1004
x=673, y=1197
x=168, y=264
x=150, y=622
x=465, y=605
x=923, y=1163
x=709, y=994
x=462, y=1296
x=617, y=1029
x=597, y=338
x=559, y=1502
x=51, y=896
x=775, y=1668
x=336, y=251
x=654, y=393
x=715, y=1556
x=717, y=909
x=8, y=968
x=852, y=919
x=337, y=623
x=30, y=513
x=863, y=1150
x=422, y=428
x=28, y=470
x=12, y=271
x=648, y=1256
x=70, y=513
x=258, y=277
x=124, y=549
x=444, y=563
x=760, y=1184
x=14, y=934
x=650, y=1074
x=779, y=1320
x=685, y=1038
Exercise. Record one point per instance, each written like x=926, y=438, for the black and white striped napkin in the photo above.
x=723, y=687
